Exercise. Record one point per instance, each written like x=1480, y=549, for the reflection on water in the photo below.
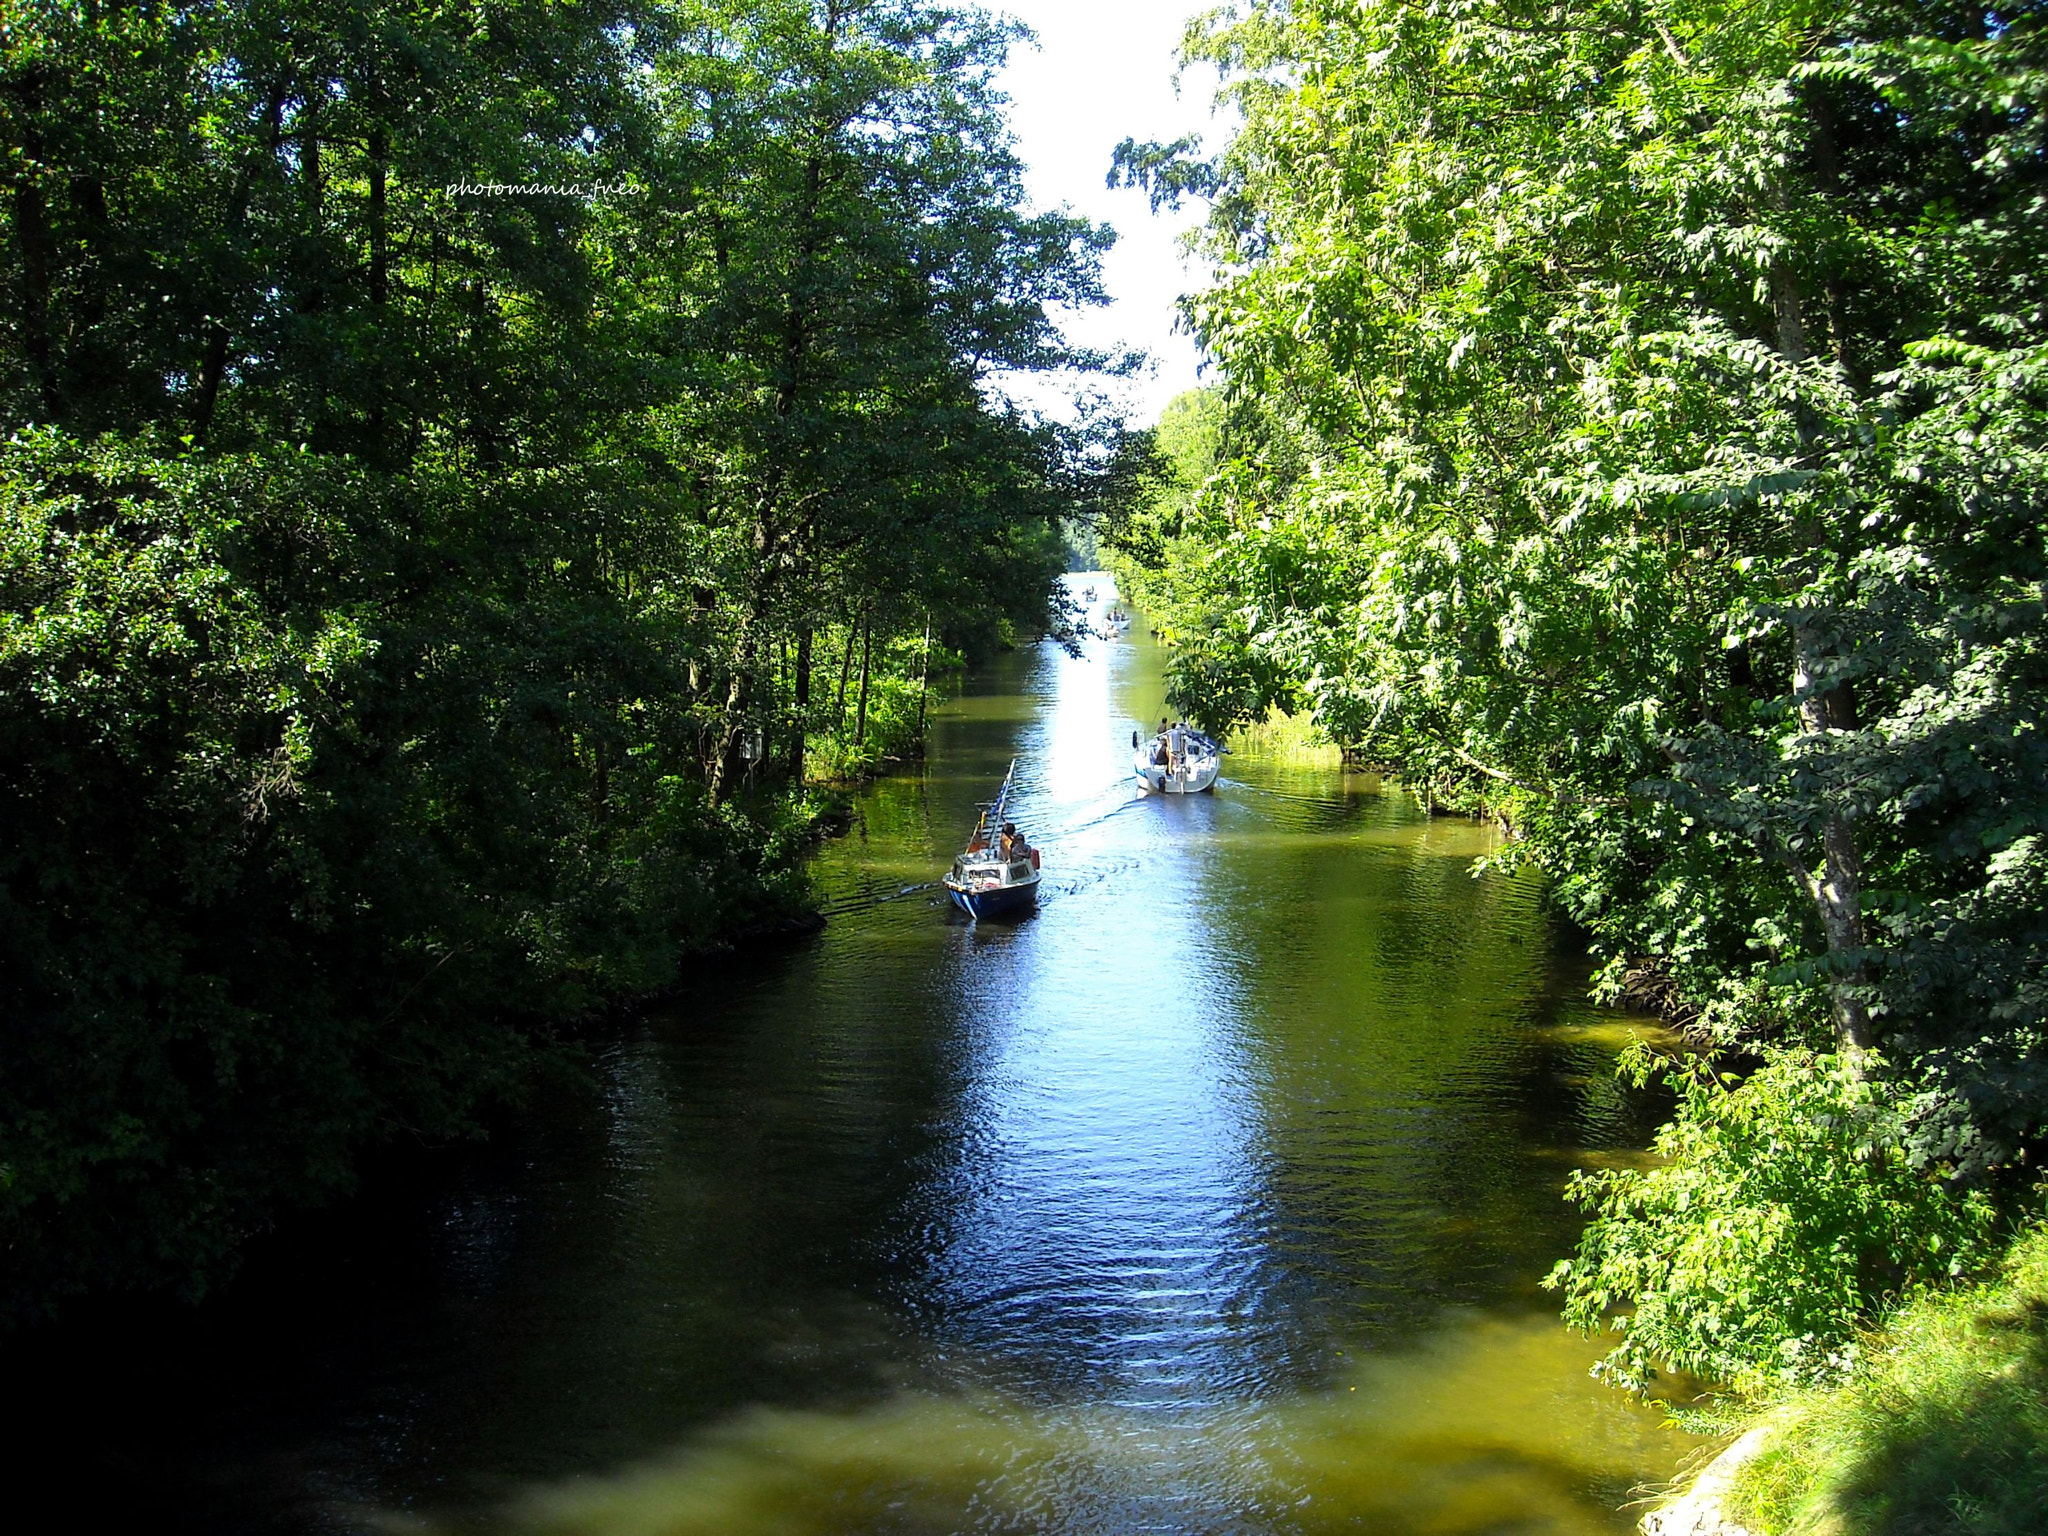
x=1209, y=1198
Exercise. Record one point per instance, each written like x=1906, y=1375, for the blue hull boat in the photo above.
x=1001, y=901
x=998, y=874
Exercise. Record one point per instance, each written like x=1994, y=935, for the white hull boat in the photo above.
x=1160, y=770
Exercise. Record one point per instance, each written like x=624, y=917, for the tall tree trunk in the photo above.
x=1785, y=309
x=799, y=304
x=1827, y=169
x=213, y=361
x=802, y=722
x=924, y=680
x=727, y=764
x=867, y=642
x=1836, y=886
x=845, y=672
x=312, y=295
x=704, y=600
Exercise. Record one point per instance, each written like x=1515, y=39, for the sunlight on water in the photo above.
x=1220, y=1187
x=1232, y=1171
x=1491, y=1426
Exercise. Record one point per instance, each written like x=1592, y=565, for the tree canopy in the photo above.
x=1633, y=422
x=440, y=440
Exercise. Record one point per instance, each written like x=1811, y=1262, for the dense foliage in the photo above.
x=1783, y=1207
x=449, y=448
x=1635, y=422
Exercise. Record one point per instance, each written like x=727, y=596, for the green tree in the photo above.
x=440, y=438
x=1665, y=395
x=848, y=260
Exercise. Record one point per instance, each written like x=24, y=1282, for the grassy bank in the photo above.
x=1941, y=1427
x=1281, y=737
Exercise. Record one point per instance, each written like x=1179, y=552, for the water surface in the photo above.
x=1210, y=1198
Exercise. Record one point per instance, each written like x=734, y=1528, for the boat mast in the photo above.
x=991, y=821
x=995, y=811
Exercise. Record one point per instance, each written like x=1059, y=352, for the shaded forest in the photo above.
x=467, y=467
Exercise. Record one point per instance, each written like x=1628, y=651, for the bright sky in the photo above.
x=1103, y=71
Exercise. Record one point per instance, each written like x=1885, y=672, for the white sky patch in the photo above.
x=1103, y=72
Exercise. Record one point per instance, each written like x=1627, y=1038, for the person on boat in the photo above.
x=1013, y=841
x=1177, y=743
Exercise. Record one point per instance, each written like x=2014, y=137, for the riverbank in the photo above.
x=1700, y=1508
x=1941, y=1426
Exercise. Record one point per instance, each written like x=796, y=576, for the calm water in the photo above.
x=1211, y=1198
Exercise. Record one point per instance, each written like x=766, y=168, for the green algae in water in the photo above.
x=1493, y=1426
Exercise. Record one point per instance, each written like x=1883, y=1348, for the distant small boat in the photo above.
x=1087, y=594
x=998, y=874
x=1180, y=761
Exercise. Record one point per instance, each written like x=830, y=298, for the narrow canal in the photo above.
x=1211, y=1198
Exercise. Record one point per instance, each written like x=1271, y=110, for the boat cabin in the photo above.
x=973, y=870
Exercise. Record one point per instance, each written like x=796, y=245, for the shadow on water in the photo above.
x=1211, y=1197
